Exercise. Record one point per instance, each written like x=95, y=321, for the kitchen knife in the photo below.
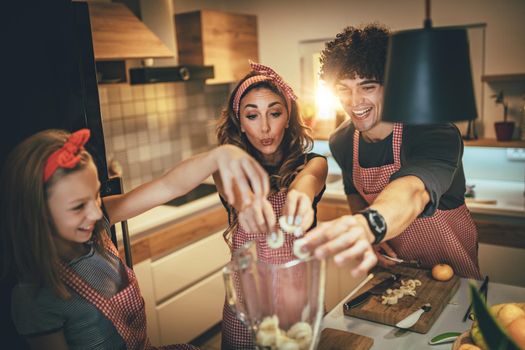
x=412, y=319
x=375, y=290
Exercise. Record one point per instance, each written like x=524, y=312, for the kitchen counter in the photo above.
x=509, y=196
x=163, y=215
x=387, y=337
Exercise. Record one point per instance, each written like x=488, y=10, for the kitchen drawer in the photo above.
x=188, y=265
x=190, y=313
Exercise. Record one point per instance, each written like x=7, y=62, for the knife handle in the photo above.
x=353, y=302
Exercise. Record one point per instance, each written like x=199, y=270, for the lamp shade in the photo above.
x=428, y=77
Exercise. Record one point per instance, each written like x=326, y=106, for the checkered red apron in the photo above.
x=125, y=309
x=448, y=236
x=236, y=335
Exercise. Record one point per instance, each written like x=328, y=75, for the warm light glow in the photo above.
x=326, y=104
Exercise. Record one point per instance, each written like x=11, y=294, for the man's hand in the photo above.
x=381, y=248
x=347, y=238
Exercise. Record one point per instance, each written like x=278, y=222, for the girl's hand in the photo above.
x=348, y=238
x=298, y=211
x=257, y=216
x=238, y=168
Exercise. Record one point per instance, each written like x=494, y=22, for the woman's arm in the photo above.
x=236, y=168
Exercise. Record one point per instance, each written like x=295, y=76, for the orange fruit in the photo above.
x=442, y=272
x=516, y=330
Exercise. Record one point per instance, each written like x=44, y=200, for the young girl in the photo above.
x=262, y=118
x=73, y=290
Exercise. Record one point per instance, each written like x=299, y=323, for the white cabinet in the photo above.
x=183, y=291
x=194, y=310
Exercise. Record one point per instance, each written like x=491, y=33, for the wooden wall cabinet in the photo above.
x=224, y=40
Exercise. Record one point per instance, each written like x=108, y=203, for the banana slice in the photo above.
x=286, y=227
x=297, y=249
x=275, y=239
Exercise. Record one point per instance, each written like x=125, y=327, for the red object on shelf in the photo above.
x=504, y=130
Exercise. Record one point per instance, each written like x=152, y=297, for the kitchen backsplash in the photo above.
x=149, y=128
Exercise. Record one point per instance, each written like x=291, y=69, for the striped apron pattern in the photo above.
x=125, y=309
x=235, y=335
x=448, y=236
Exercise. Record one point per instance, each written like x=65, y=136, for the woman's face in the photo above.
x=264, y=119
x=362, y=100
x=74, y=202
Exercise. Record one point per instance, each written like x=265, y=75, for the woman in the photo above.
x=262, y=117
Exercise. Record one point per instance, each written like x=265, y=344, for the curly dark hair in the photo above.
x=356, y=51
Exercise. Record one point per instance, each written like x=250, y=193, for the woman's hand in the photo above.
x=348, y=238
x=238, y=168
x=257, y=217
x=298, y=211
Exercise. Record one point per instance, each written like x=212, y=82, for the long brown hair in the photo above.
x=27, y=227
x=294, y=146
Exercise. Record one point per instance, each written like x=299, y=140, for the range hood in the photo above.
x=119, y=35
x=150, y=75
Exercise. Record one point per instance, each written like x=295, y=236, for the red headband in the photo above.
x=264, y=74
x=67, y=156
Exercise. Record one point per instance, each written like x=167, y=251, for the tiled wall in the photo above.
x=149, y=128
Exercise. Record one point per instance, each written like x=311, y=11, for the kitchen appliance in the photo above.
x=50, y=83
x=273, y=298
x=436, y=293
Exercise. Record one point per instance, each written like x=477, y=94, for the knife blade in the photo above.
x=412, y=319
x=378, y=289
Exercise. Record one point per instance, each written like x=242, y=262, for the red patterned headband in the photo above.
x=67, y=156
x=264, y=74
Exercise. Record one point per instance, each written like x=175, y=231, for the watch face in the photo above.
x=378, y=222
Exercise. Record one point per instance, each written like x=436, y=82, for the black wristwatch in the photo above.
x=376, y=222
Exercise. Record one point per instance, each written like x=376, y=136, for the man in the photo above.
x=405, y=184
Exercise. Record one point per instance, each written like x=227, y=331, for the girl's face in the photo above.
x=264, y=119
x=74, y=203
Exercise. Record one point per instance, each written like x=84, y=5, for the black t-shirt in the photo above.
x=431, y=152
x=273, y=170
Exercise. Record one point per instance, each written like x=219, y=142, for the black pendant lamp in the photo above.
x=428, y=77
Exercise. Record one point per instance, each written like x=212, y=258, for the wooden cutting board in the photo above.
x=333, y=339
x=437, y=293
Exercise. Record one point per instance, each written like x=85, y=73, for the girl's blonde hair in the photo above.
x=294, y=146
x=27, y=227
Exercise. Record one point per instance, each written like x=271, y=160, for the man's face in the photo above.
x=362, y=100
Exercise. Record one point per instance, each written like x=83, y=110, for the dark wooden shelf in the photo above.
x=495, y=143
x=503, y=78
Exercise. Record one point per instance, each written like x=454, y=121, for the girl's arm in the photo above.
x=52, y=341
x=236, y=168
x=255, y=213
